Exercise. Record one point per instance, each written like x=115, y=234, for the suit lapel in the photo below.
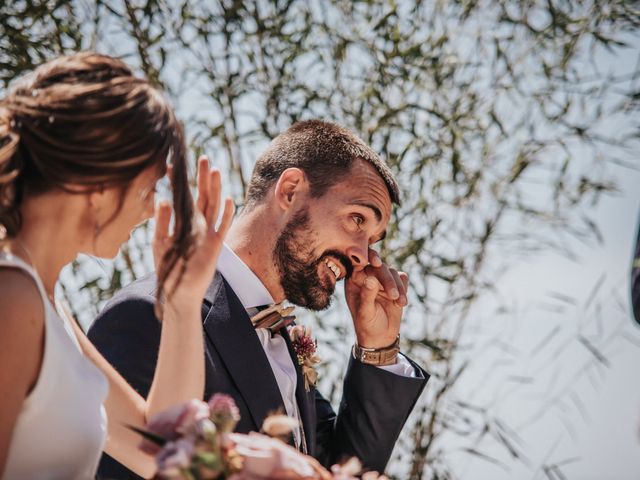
x=302, y=397
x=229, y=329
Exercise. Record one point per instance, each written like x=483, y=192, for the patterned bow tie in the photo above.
x=273, y=317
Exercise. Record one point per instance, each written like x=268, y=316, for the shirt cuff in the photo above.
x=402, y=367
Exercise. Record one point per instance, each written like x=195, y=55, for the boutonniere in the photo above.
x=305, y=348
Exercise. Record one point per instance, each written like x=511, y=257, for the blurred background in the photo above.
x=513, y=129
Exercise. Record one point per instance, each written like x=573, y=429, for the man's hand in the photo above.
x=376, y=296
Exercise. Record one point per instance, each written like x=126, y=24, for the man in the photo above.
x=318, y=199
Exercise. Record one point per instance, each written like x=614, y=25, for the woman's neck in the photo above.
x=50, y=236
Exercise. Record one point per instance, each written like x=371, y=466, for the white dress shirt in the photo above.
x=252, y=293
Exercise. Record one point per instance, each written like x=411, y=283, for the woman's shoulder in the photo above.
x=22, y=314
x=22, y=324
x=19, y=294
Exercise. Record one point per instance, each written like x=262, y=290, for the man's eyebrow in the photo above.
x=376, y=210
x=383, y=235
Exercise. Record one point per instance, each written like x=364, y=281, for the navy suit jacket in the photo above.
x=374, y=406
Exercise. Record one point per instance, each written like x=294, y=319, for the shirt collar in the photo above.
x=246, y=285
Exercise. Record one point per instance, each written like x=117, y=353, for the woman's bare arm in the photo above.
x=22, y=337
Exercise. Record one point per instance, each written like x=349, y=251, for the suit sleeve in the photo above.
x=375, y=405
x=127, y=334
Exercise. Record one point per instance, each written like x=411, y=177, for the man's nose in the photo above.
x=358, y=254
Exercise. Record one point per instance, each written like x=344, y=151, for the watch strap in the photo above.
x=378, y=356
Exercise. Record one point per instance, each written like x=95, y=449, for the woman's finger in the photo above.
x=227, y=217
x=161, y=233
x=203, y=183
x=162, y=218
x=213, y=202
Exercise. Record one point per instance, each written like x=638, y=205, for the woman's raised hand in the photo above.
x=195, y=275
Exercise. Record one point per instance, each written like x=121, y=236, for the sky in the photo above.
x=605, y=442
x=595, y=427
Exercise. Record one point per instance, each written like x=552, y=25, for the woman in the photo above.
x=82, y=144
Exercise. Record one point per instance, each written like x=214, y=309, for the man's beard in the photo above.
x=298, y=269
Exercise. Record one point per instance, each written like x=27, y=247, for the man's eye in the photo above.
x=358, y=220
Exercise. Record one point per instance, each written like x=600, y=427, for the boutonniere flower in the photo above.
x=305, y=348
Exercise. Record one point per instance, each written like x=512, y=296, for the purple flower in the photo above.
x=174, y=457
x=305, y=347
x=224, y=412
x=303, y=344
x=175, y=422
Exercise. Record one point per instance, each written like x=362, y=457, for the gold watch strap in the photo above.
x=378, y=356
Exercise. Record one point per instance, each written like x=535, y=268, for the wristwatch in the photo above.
x=378, y=356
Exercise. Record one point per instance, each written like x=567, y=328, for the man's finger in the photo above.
x=402, y=298
x=368, y=294
x=374, y=258
x=405, y=281
x=356, y=281
x=386, y=279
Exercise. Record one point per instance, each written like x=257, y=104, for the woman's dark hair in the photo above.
x=85, y=120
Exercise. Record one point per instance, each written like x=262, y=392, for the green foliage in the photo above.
x=492, y=114
x=32, y=32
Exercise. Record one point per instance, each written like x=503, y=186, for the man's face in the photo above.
x=329, y=237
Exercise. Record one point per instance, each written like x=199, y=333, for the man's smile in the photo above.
x=335, y=267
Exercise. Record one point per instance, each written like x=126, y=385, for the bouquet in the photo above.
x=195, y=440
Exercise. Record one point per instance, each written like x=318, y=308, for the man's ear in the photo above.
x=291, y=186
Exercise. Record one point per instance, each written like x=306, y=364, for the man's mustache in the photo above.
x=341, y=257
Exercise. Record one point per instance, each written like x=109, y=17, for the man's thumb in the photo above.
x=368, y=293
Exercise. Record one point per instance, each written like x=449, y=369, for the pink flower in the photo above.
x=279, y=426
x=268, y=458
x=224, y=412
x=351, y=470
x=194, y=411
x=303, y=344
x=348, y=470
x=174, y=457
x=305, y=348
x=175, y=421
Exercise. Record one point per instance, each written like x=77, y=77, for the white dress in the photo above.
x=61, y=428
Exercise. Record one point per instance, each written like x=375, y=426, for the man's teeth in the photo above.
x=333, y=267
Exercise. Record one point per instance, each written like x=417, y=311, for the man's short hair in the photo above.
x=324, y=151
